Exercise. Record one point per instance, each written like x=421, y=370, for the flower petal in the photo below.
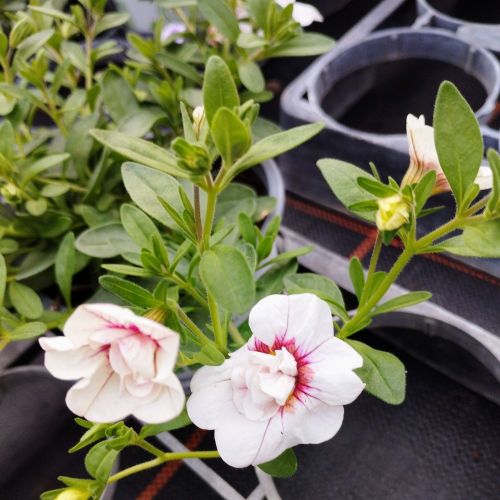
x=67, y=362
x=210, y=375
x=306, y=14
x=268, y=318
x=166, y=356
x=309, y=322
x=100, y=398
x=311, y=422
x=210, y=403
x=167, y=405
x=90, y=318
x=239, y=440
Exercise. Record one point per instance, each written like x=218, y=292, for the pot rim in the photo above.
x=425, y=6
x=393, y=141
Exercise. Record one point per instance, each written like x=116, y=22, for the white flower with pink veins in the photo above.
x=285, y=387
x=124, y=362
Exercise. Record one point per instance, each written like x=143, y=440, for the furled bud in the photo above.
x=73, y=494
x=198, y=119
x=192, y=157
x=392, y=213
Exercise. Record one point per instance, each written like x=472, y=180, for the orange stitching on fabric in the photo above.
x=168, y=471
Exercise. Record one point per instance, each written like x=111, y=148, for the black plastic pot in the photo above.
x=36, y=431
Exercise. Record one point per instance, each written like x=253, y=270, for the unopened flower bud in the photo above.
x=392, y=213
x=73, y=494
x=192, y=157
x=198, y=119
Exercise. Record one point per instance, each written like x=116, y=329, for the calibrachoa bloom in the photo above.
x=424, y=157
x=304, y=13
x=124, y=362
x=286, y=386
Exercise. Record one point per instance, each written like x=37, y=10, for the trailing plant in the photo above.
x=62, y=76
x=280, y=378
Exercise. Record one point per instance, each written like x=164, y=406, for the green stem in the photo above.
x=235, y=334
x=197, y=213
x=166, y=457
x=377, y=295
x=89, y=41
x=145, y=445
x=373, y=266
x=219, y=333
x=188, y=288
x=192, y=326
x=209, y=217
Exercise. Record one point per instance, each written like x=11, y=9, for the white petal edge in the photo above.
x=310, y=322
x=268, y=318
x=66, y=362
x=168, y=404
x=208, y=405
x=306, y=14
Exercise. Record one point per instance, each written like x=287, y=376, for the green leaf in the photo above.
x=35, y=263
x=3, y=278
x=105, y=241
x=145, y=185
x=357, y=275
x=235, y=200
x=459, y=142
x=376, y=188
x=321, y=286
x=128, y=291
x=127, y=270
x=48, y=11
x=483, y=238
x=41, y=165
x=138, y=225
x=7, y=139
x=65, y=266
x=493, y=206
x=382, y=372
x=226, y=274
x=251, y=76
x=304, y=44
x=110, y=21
x=290, y=254
x=283, y=466
x=220, y=14
x=139, y=150
x=178, y=422
x=31, y=45
x=275, y=145
x=423, y=190
x=209, y=355
x=406, y=300
x=219, y=89
x=118, y=96
x=28, y=331
x=231, y=136
x=100, y=459
x=25, y=300
x=342, y=177
x=272, y=280
x=179, y=67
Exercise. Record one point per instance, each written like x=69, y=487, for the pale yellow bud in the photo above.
x=392, y=213
x=73, y=494
x=198, y=116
